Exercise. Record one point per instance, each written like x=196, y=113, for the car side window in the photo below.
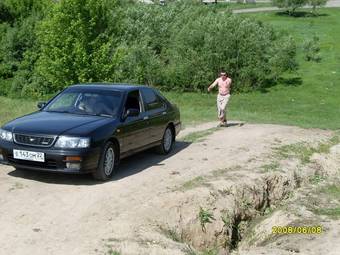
x=151, y=100
x=133, y=101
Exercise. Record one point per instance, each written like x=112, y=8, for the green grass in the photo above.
x=271, y=167
x=304, y=151
x=113, y=252
x=326, y=201
x=205, y=217
x=316, y=179
x=198, y=136
x=308, y=98
x=172, y=234
x=333, y=213
x=313, y=103
x=194, y=183
x=332, y=190
x=12, y=108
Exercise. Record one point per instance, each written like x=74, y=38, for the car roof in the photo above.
x=109, y=86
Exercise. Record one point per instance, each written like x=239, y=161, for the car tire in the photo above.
x=107, y=163
x=168, y=142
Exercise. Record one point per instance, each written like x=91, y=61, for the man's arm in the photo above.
x=212, y=85
x=229, y=82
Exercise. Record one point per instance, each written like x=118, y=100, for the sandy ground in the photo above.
x=43, y=213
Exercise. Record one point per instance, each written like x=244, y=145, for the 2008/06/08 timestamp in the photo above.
x=297, y=230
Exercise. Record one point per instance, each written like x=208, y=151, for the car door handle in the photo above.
x=146, y=118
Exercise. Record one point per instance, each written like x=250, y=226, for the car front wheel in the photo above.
x=107, y=163
x=167, y=142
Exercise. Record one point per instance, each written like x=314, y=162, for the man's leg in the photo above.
x=226, y=100
x=220, y=109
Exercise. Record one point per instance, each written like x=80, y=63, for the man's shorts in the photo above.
x=222, y=102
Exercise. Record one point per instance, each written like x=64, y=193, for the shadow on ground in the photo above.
x=239, y=124
x=285, y=81
x=301, y=14
x=128, y=166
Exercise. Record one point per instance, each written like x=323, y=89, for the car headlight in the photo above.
x=6, y=135
x=72, y=142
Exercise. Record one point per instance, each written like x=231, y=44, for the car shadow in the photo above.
x=128, y=166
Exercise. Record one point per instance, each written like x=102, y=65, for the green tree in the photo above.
x=317, y=3
x=78, y=43
x=290, y=5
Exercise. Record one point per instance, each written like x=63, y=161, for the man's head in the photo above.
x=223, y=75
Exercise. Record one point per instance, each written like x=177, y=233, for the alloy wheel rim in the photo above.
x=167, y=139
x=109, y=161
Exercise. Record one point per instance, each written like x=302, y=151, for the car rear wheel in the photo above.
x=107, y=163
x=167, y=142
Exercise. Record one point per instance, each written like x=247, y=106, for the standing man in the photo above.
x=224, y=85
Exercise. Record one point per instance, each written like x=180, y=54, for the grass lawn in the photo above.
x=309, y=98
x=12, y=108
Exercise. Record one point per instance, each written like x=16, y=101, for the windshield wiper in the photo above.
x=94, y=114
x=60, y=111
x=104, y=115
x=85, y=113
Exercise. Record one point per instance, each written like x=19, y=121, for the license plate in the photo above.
x=29, y=155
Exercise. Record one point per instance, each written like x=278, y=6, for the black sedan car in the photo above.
x=88, y=128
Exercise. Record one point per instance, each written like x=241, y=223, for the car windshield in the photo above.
x=102, y=103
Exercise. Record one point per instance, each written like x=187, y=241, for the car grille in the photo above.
x=48, y=164
x=32, y=140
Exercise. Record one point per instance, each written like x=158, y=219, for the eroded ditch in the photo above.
x=230, y=209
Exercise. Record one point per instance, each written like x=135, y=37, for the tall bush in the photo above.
x=317, y=3
x=187, y=46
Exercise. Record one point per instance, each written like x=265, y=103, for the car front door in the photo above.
x=133, y=129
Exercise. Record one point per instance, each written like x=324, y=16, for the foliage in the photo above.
x=311, y=49
x=77, y=44
x=291, y=101
x=317, y=3
x=205, y=217
x=18, y=44
x=290, y=5
x=49, y=45
x=190, y=45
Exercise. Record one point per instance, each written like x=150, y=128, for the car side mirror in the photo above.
x=41, y=105
x=131, y=113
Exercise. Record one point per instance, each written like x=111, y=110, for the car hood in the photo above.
x=51, y=123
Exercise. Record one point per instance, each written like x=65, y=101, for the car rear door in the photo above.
x=156, y=112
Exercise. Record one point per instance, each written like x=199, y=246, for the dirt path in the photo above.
x=329, y=4
x=42, y=213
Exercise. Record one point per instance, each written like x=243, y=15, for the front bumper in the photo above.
x=55, y=159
